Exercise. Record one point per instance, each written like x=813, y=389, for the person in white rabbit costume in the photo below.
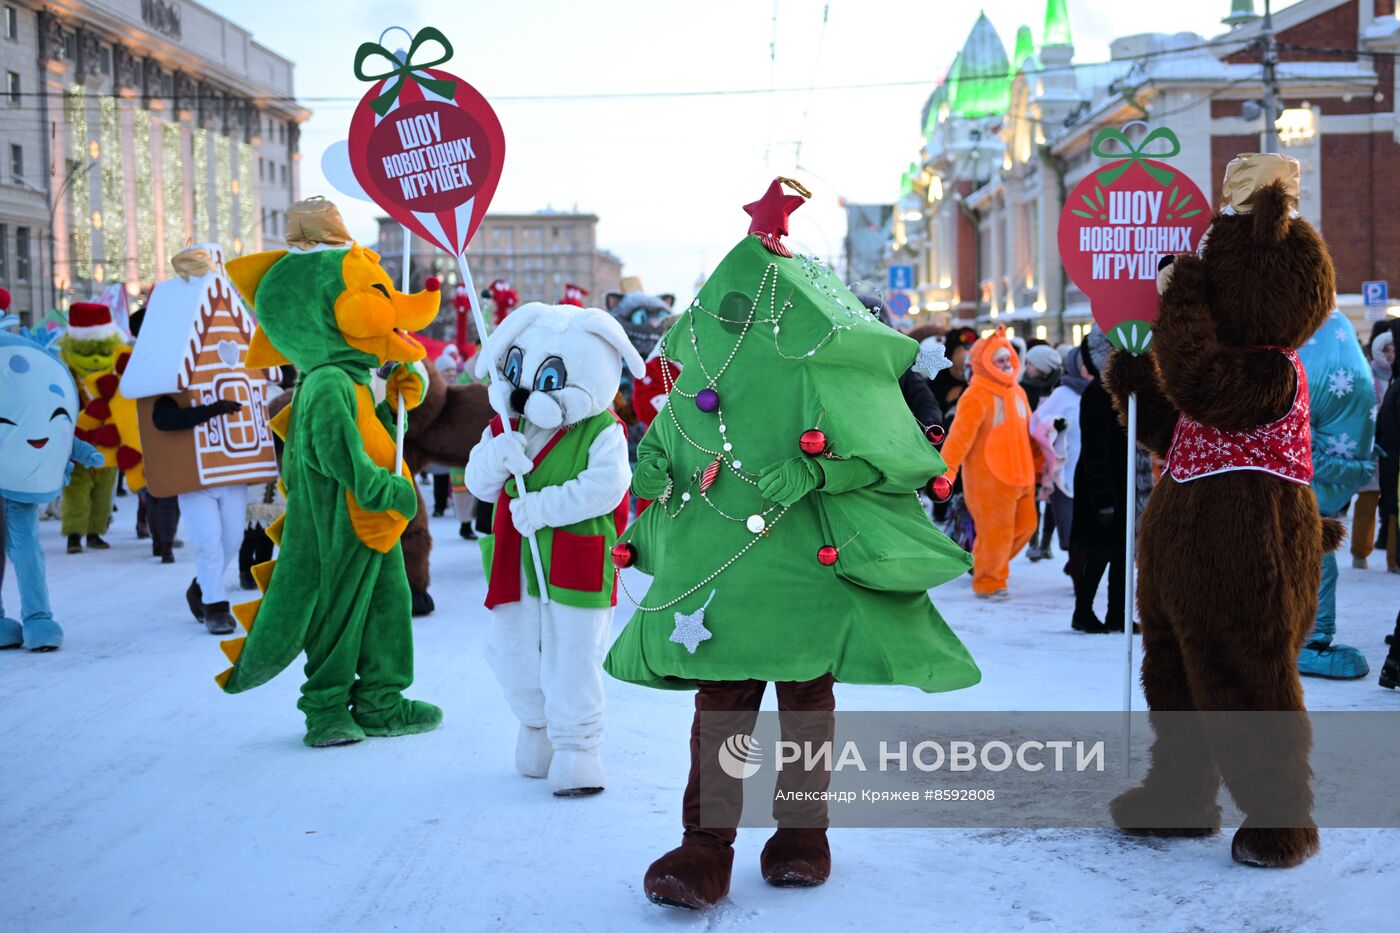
x=555, y=369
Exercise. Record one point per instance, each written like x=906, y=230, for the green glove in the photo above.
x=840, y=476
x=405, y=496
x=651, y=477
x=786, y=482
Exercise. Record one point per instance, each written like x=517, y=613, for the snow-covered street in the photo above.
x=138, y=796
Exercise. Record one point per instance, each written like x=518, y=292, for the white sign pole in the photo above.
x=1129, y=582
x=402, y=414
x=480, y=320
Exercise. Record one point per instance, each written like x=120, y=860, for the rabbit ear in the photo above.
x=1272, y=214
x=504, y=335
x=604, y=326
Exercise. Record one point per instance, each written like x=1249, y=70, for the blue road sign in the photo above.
x=901, y=277
x=1372, y=293
x=898, y=304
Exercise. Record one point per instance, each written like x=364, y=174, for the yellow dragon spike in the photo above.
x=282, y=421
x=262, y=354
x=222, y=679
x=262, y=574
x=247, y=272
x=232, y=648
x=245, y=613
x=274, y=531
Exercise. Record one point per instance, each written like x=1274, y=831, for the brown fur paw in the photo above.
x=1333, y=532
x=1274, y=848
x=1130, y=375
x=1150, y=812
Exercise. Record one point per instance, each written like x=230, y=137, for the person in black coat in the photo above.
x=1098, y=534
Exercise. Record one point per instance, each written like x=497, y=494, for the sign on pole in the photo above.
x=1119, y=222
x=901, y=277
x=899, y=304
x=1375, y=294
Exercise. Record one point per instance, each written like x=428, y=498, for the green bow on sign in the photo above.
x=406, y=69
x=1135, y=154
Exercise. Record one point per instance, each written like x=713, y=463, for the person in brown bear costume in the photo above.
x=442, y=430
x=1231, y=541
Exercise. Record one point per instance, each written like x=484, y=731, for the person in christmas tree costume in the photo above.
x=990, y=443
x=786, y=543
x=338, y=589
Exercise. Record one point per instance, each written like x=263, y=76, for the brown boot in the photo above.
x=694, y=876
x=796, y=858
x=1274, y=848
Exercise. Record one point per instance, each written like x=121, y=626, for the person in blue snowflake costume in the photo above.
x=38, y=408
x=1343, y=442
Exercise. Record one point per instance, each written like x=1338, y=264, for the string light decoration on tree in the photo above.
x=246, y=233
x=80, y=232
x=172, y=183
x=785, y=433
x=199, y=147
x=224, y=180
x=145, y=190
x=114, y=245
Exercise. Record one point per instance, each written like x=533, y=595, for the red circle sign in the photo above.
x=1114, y=233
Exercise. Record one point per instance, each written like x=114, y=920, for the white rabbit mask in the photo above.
x=557, y=364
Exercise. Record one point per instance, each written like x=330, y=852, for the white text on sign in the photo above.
x=1133, y=244
x=428, y=164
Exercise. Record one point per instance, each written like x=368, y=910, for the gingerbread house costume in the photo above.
x=193, y=344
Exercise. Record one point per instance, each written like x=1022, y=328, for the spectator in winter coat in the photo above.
x=1363, y=522
x=1388, y=440
x=990, y=446
x=1343, y=436
x=1098, y=535
x=949, y=385
x=1055, y=427
x=1043, y=370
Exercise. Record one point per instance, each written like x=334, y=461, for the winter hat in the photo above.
x=1377, y=348
x=1044, y=358
x=1099, y=348
x=4, y=300
x=88, y=320
x=446, y=363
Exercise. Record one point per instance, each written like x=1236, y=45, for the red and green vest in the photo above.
x=578, y=565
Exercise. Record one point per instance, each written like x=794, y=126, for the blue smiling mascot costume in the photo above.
x=38, y=405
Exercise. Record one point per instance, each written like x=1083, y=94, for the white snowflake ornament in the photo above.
x=690, y=627
x=1340, y=446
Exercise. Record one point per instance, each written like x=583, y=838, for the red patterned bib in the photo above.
x=1283, y=448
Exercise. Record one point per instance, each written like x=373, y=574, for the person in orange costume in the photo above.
x=990, y=445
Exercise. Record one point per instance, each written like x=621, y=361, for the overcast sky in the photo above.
x=667, y=176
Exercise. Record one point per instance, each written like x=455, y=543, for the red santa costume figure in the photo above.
x=555, y=368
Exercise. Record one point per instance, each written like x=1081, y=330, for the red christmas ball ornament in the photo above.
x=826, y=555
x=935, y=434
x=812, y=442
x=432, y=283
x=940, y=488
x=623, y=555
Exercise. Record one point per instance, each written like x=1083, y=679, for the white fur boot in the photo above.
x=533, y=752
x=576, y=774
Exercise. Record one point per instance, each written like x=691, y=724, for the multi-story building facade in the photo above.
x=538, y=254
x=979, y=213
x=132, y=127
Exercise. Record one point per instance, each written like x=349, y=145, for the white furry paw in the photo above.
x=575, y=773
x=533, y=752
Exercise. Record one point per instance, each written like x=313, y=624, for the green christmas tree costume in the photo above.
x=338, y=590
x=738, y=590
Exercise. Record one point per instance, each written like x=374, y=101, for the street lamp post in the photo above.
x=94, y=152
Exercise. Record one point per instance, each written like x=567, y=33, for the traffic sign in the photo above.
x=898, y=304
x=1373, y=294
x=901, y=277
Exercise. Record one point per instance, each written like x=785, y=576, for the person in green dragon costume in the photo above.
x=338, y=589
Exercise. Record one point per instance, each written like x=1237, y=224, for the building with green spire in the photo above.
x=1057, y=23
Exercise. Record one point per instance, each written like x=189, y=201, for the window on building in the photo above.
x=284, y=175
x=11, y=23
x=16, y=163
x=281, y=132
x=12, y=88
x=21, y=254
x=260, y=169
x=4, y=253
